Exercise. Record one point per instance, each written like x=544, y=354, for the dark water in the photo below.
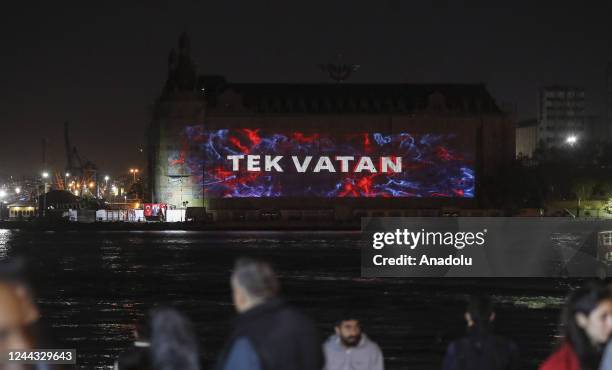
x=94, y=286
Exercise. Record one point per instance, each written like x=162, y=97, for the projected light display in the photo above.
x=260, y=163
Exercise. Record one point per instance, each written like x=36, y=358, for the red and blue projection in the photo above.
x=242, y=162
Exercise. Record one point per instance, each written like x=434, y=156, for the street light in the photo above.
x=134, y=171
x=571, y=140
x=17, y=190
x=106, y=178
x=45, y=175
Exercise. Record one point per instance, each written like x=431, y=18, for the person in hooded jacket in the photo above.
x=481, y=349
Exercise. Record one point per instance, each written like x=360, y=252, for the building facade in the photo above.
x=526, y=138
x=561, y=116
x=321, y=149
x=22, y=210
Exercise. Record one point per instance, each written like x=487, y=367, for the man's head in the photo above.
x=17, y=309
x=479, y=312
x=253, y=282
x=349, y=331
x=13, y=320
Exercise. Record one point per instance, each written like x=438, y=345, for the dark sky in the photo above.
x=100, y=65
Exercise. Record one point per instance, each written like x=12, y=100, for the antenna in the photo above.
x=339, y=71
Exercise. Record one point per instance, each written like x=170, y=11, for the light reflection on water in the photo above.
x=94, y=286
x=5, y=235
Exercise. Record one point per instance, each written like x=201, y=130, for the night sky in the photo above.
x=101, y=65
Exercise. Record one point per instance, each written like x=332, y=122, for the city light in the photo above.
x=67, y=174
x=571, y=140
x=17, y=190
x=45, y=175
x=2, y=193
x=134, y=171
x=91, y=185
x=106, y=178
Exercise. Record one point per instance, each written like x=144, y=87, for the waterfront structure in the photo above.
x=243, y=150
x=22, y=210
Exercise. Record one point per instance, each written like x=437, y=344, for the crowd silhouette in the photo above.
x=270, y=334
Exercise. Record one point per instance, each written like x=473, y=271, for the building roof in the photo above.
x=346, y=97
x=59, y=197
x=22, y=204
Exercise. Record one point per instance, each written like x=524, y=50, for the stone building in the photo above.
x=449, y=136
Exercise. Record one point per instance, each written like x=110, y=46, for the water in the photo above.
x=92, y=288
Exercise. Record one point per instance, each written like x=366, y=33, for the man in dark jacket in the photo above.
x=481, y=349
x=268, y=334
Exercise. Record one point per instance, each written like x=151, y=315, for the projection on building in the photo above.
x=242, y=162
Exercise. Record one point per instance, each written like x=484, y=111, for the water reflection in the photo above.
x=94, y=287
x=5, y=236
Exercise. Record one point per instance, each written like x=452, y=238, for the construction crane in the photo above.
x=60, y=184
x=84, y=173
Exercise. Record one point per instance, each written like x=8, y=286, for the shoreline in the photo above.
x=181, y=226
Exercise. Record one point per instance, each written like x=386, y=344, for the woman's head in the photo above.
x=588, y=320
x=589, y=311
x=173, y=341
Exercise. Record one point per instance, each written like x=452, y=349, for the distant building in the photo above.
x=58, y=201
x=526, y=138
x=561, y=115
x=22, y=210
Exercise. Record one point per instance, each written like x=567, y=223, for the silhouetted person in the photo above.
x=587, y=326
x=173, y=341
x=170, y=345
x=138, y=356
x=268, y=334
x=19, y=316
x=350, y=348
x=481, y=349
